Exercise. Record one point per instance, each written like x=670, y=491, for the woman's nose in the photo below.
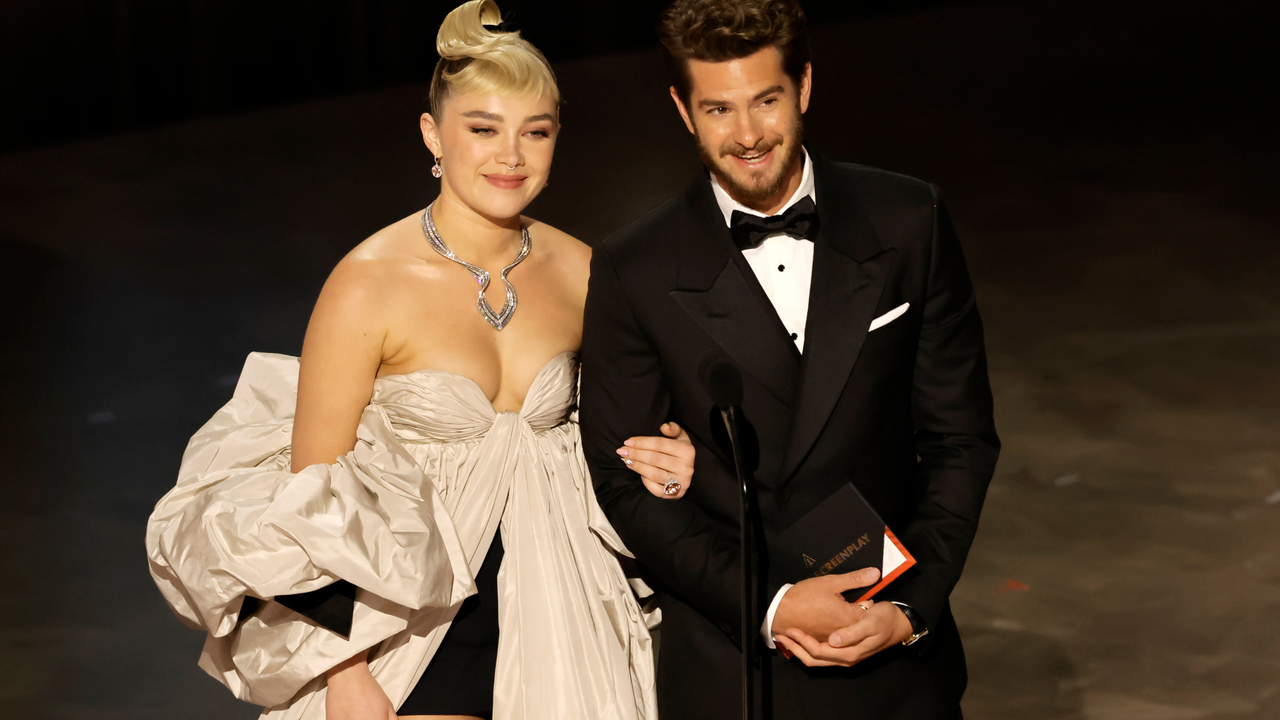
x=511, y=156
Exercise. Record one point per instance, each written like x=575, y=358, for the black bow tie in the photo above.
x=800, y=221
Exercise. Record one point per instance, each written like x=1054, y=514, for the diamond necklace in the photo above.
x=498, y=320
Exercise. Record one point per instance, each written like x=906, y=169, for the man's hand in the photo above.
x=354, y=694
x=816, y=607
x=881, y=626
x=662, y=460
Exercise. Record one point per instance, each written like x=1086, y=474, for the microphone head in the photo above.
x=723, y=380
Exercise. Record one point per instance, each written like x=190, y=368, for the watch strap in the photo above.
x=918, y=628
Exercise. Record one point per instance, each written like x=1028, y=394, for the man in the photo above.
x=841, y=292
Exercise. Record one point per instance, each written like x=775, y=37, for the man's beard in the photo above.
x=758, y=188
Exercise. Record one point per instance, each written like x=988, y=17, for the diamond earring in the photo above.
x=436, y=170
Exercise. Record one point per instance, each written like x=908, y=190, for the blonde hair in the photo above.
x=475, y=59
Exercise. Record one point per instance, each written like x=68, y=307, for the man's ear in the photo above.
x=430, y=134
x=806, y=85
x=684, y=112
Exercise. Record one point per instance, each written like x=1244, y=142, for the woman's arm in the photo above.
x=341, y=355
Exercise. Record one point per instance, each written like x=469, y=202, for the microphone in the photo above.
x=723, y=381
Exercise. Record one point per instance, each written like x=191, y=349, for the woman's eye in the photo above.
x=482, y=130
x=540, y=133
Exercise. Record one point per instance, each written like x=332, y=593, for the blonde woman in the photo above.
x=420, y=536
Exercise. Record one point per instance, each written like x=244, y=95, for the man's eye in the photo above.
x=770, y=101
x=720, y=110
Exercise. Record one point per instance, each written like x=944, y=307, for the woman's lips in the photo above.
x=506, y=182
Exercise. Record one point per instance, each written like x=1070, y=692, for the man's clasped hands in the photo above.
x=815, y=624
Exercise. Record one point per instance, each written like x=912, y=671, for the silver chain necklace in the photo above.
x=498, y=320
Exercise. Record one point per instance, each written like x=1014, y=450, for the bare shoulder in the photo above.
x=567, y=253
x=364, y=280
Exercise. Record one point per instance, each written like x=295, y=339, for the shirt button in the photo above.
x=781, y=268
x=794, y=336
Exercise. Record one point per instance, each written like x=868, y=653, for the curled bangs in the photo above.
x=507, y=71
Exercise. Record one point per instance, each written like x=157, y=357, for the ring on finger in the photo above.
x=865, y=607
x=672, y=487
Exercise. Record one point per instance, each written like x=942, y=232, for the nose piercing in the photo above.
x=509, y=167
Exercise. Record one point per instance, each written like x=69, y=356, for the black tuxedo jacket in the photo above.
x=904, y=412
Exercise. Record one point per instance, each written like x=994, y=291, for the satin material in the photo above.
x=407, y=516
x=800, y=221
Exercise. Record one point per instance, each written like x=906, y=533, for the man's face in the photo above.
x=747, y=117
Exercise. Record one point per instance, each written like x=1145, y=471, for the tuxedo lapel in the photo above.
x=726, y=304
x=849, y=273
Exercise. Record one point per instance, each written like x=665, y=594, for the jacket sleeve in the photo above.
x=955, y=433
x=625, y=395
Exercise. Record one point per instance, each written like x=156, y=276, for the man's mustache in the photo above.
x=762, y=147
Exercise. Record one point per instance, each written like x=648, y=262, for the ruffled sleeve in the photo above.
x=239, y=524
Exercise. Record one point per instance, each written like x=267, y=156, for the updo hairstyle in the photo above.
x=474, y=59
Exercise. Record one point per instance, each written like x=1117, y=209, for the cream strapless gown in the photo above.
x=407, y=517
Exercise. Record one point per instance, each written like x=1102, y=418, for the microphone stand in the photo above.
x=746, y=551
x=723, y=381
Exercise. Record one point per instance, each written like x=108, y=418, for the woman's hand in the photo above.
x=354, y=694
x=665, y=464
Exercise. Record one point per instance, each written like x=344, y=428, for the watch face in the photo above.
x=914, y=638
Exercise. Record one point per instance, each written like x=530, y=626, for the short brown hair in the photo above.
x=721, y=30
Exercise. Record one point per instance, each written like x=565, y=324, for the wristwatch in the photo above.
x=918, y=629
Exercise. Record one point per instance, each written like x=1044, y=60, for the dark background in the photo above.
x=72, y=69
x=178, y=178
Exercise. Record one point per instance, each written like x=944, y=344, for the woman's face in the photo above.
x=495, y=151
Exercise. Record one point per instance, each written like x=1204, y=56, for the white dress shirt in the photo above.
x=784, y=267
x=782, y=264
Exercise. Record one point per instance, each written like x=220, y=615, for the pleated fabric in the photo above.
x=407, y=516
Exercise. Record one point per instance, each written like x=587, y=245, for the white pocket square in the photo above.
x=889, y=317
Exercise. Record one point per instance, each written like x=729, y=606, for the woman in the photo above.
x=432, y=458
